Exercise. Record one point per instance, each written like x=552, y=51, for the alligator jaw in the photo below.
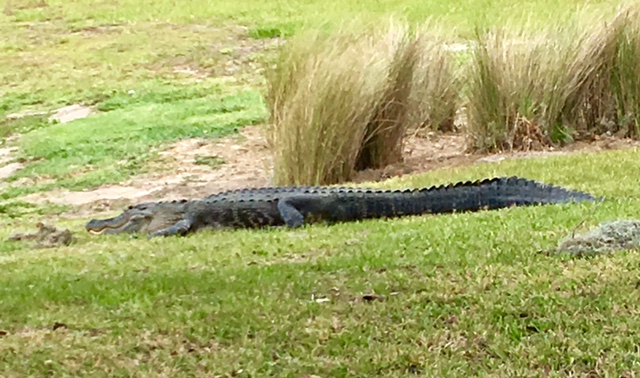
x=106, y=226
x=142, y=218
x=104, y=230
x=131, y=220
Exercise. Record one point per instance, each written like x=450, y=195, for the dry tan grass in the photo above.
x=344, y=102
x=322, y=95
x=437, y=81
x=625, y=78
x=385, y=132
x=564, y=83
x=589, y=106
x=516, y=90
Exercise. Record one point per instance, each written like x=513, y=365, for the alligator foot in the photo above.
x=291, y=216
x=181, y=228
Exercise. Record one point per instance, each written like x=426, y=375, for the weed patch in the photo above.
x=625, y=82
x=211, y=161
x=321, y=99
x=23, y=124
x=384, y=133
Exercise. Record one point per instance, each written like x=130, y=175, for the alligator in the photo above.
x=151, y=212
x=295, y=206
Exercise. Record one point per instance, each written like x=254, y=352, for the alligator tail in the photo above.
x=497, y=193
x=488, y=194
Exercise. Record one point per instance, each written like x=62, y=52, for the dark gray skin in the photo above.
x=296, y=208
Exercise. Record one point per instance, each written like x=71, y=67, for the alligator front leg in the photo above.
x=181, y=228
x=291, y=216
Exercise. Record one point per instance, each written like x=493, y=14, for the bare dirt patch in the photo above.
x=71, y=113
x=193, y=168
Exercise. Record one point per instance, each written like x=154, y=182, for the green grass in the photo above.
x=297, y=12
x=49, y=64
x=465, y=294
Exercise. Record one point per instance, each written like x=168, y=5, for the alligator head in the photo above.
x=142, y=218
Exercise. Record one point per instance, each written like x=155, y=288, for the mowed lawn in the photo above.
x=448, y=295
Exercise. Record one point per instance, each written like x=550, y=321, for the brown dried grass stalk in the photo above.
x=531, y=90
x=339, y=103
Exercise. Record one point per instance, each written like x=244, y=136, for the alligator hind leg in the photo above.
x=181, y=228
x=291, y=216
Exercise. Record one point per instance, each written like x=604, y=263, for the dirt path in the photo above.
x=243, y=160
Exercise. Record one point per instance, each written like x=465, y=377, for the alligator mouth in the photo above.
x=98, y=231
x=95, y=227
